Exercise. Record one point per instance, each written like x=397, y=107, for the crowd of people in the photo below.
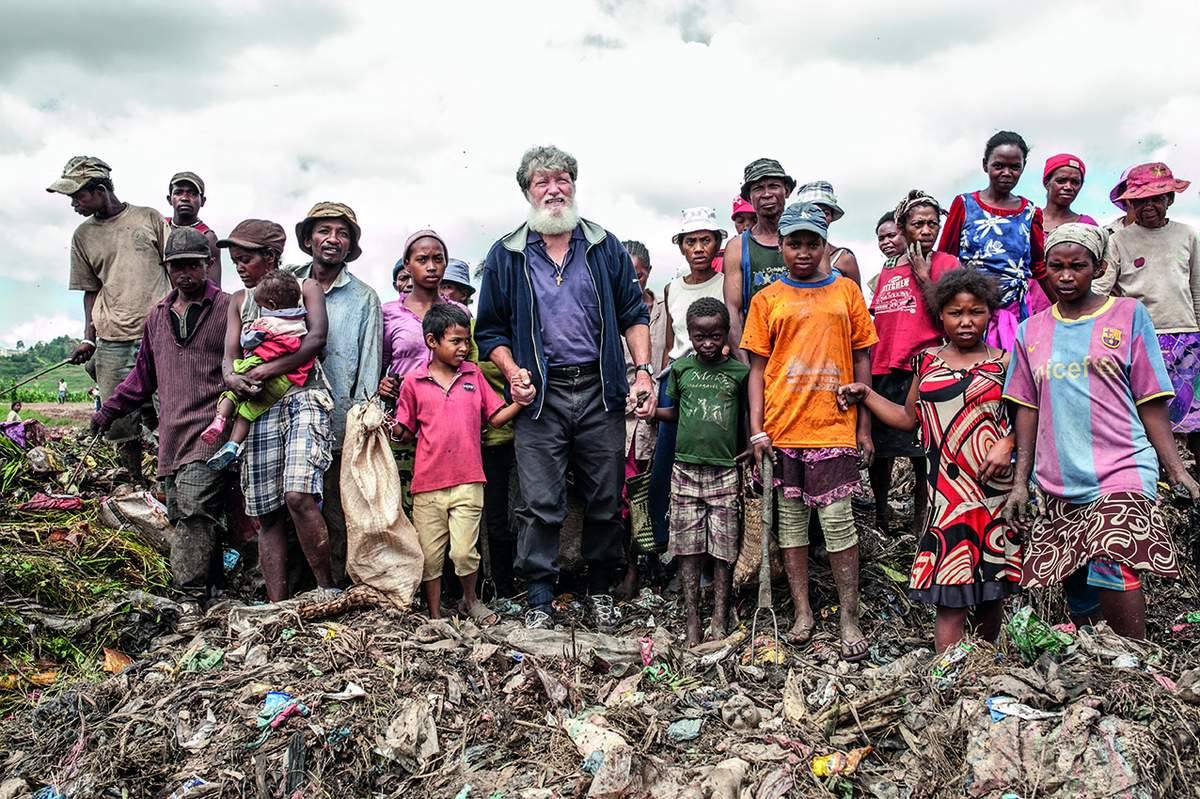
x=1002, y=343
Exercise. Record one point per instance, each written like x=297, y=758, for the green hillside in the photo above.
x=15, y=368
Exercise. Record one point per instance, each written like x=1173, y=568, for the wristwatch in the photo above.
x=644, y=367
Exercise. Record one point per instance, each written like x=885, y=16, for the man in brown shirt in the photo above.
x=116, y=261
x=180, y=358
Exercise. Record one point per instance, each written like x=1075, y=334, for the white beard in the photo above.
x=553, y=221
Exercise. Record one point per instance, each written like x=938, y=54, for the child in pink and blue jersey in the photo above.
x=1092, y=428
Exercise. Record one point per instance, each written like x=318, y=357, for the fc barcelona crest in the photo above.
x=1111, y=337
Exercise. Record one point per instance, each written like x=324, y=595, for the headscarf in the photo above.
x=1092, y=238
x=1063, y=159
x=914, y=198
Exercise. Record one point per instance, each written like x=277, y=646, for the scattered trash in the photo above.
x=349, y=696
x=1003, y=706
x=1033, y=636
x=839, y=764
x=115, y=661
x=41, y=502
x=189, y=788
x=684, y=730
x=139, y=511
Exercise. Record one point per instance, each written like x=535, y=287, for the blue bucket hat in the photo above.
x=459, y=272
x=396, y=269
x=803, y=216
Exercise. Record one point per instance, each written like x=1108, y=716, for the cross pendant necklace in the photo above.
x=558, y=271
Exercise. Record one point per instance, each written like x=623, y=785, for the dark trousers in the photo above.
x=575, y=431
x=502, y=538
x=335, y=519
x=196, y=497
x=660, y=471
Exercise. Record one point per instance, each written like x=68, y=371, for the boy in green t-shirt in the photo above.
x=709, y=390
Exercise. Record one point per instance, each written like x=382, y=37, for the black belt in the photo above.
x=575, y=370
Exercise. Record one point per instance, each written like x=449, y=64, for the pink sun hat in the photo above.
x=1150, y=180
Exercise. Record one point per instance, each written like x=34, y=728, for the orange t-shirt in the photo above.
x=807, y=332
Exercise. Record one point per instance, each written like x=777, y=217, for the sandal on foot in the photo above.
x=855, y=651
x=803, y=637
x=480, y=614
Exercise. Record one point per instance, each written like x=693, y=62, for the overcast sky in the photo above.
x=416, y=114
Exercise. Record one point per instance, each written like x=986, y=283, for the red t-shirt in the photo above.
x=448, y=426
x=902, y=318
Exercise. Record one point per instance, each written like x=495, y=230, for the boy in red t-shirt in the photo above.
x=444, y=405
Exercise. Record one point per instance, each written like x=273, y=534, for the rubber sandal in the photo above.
x=803, y=637
x=479, y=613
x=856, y=651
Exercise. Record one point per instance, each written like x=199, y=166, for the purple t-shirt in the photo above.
x=569, y=312
x=403, y=340
x=1086, y=378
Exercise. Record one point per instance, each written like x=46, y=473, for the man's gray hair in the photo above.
x=637, y=250
x=547, y=158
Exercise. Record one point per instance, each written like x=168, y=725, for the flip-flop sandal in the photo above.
x=480, y=613
x=803, y=637
x=856, y=651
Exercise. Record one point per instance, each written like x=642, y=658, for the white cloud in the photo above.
x=40, y=328
x=416, y=113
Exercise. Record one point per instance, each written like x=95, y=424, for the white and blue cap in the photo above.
x=803, y=216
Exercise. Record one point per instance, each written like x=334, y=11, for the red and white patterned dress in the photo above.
x=968, y=554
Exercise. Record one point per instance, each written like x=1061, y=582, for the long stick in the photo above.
x=15, y=386
x=83, y=459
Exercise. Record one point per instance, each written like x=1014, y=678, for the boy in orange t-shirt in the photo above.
x=805, y=333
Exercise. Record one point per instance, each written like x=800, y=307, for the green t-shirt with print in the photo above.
x=711, y=398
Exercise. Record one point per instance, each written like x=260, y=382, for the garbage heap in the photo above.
x=349, y=697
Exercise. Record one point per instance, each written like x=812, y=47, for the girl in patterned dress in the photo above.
x=968, y=558
x=1000, y=234
x=1092, y=428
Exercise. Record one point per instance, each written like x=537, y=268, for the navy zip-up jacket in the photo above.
x=507, y=315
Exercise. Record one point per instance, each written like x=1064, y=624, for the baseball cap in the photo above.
x=185, y=242
x=256, y=234
x=78, y=171
x=187, y=177
x=803, y=216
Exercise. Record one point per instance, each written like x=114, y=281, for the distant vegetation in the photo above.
x=15, y=368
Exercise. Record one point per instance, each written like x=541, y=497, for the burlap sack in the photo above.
x=381, y=544
x=745, y=571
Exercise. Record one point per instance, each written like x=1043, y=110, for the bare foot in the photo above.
x=627, y=588
x=719, y=625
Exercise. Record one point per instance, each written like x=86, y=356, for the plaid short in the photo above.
x=288, y=450
x=704, y=511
